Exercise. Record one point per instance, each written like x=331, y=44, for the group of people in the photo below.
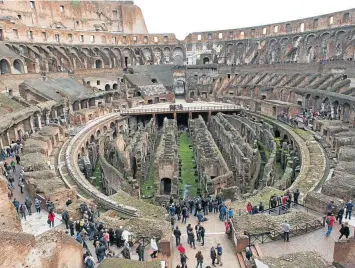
x=330, y=219
x=199, y=207
x=176, y=107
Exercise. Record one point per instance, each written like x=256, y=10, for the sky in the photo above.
x=185, y=16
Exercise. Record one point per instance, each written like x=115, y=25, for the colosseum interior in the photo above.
x=99, y=111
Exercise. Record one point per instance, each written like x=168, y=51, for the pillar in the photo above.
x=332, y=111
x=47, y=118
x=8, y=137
x=1, y=144
x=175, y=115
x=322, y=107
x=209, y=116
x=31, y=123
x=39, y=121
x=55, y=113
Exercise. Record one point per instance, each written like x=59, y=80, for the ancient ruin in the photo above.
x=96, y=110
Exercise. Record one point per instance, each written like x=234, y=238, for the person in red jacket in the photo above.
x=330, y=220
x=51, y=217
x=249, y=207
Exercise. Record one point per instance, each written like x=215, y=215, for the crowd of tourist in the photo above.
x=330, y=219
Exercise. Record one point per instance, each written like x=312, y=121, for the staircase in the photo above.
x=255, y=249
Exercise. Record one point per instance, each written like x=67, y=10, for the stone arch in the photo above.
x=148, y=56
x=92, y=102
x=127, y=57
x=206, y=60
x=115, y=86
x=316, y=104
x=107, y=87
x=167, y=54
x=326, y=105
x=277, y=134
x=105, y=129
x=92, y=138
x=4, y=66
x=346, y=112
x=76, y=106
x=178, y=56
x=336, y=109
x=165, y=186
x=116, y=96
x=18, y=66
x=98, y=133
x=308, y=102
x=157, y=55
x=98, y=64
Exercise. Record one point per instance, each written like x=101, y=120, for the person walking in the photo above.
x=16, y=204
x=340, y=215
x=154, y=248
x=219, y=254
x=286, y=229
x=185, y=214
x=202, y=232
x=330, y=220
x=21, y=185
x=183, y=260
x=140, y=251
x=177, y=234
x=65, y=218
x=296, y=194
x=213, y=256
x=23, y=211
x=28, y=204
x=349, y=209
x=13, y=166
x=50, y=220
x=199, y=258
x=18, y=159
x=71, y=227
x=230, y=213
x=38, y=205
x=191, y=237
x=344, y=230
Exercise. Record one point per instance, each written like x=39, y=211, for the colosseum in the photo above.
x=116, y=141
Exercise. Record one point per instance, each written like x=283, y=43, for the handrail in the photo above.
x=184, y=109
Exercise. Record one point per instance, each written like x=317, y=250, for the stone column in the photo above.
x=8, y=137
x=332, y=110
x=175, y=115
x=1, y=144
x=47, y=118
x=39, y=121
x=31, y=124
x=55, y=113
x=322, y=107
x=190, y=115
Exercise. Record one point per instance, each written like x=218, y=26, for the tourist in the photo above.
x=249, y=208
x=261, y=207
x=21, y=185
x=197, y=228
x=16, y=204
x=222, y=212
x=284, y=201
x=230, y=213
x=23, y=211
x=106, y=237
x=330, y=207
x=140, y=252
x=101, y=252
x=213, y=255
x=50, y=220
x=172, y=221
x=202, y=231
x=28, y=204
x=154, y=248
x=330, y=221
x=185, y=214
x=296, y=194
x=340, y=215
x=18, y=159
x=199, y=258
x=188, y=227
x=349, y=208
x=191, y=238
x=183, y=260
x=248, y=254
x=254, y=210
x=125, y=237
x=65, y=218
x=13, y=165
x=69, y=201
x=91, y=230
x=219, y=254
x=181, y=249
x=177, y=234
x=172, y=210
x=204, y=204
x=215, y=206
x=286, y=229
x=344, y=230
x=38, y=205
x=210, y=205
x=89, y=261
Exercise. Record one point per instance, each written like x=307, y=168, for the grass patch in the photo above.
x=187, y=167
x=97, y=182
x=148, y=187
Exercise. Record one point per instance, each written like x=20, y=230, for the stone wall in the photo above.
x=344, y=253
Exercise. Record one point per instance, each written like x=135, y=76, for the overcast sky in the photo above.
x=185, y=16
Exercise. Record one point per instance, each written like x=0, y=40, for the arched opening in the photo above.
x=98, y=64
x=285, y=138
x=346, y=112
x=98, y=132
x=137, y=94
x=18, y=66
x=107, y=87
x=336, y=110
x=75, y=106
x=316, y=104
x=105, y=129
x=165, y=186
x=206, y=60
x=134, y=167
x=307, y=101
x=92, y=138
x=277, y=134
x=87, y=144
x=115, y=86
x=4, y=67
x=92, y=102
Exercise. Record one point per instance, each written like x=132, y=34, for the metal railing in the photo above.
x=184, y=109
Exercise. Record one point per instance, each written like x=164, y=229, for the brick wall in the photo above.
x=344, y=253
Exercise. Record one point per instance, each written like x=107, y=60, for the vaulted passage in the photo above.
x=165, y=186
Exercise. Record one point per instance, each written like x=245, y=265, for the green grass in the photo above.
x=98, y=176
x=187, y=167
x=148, y=187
